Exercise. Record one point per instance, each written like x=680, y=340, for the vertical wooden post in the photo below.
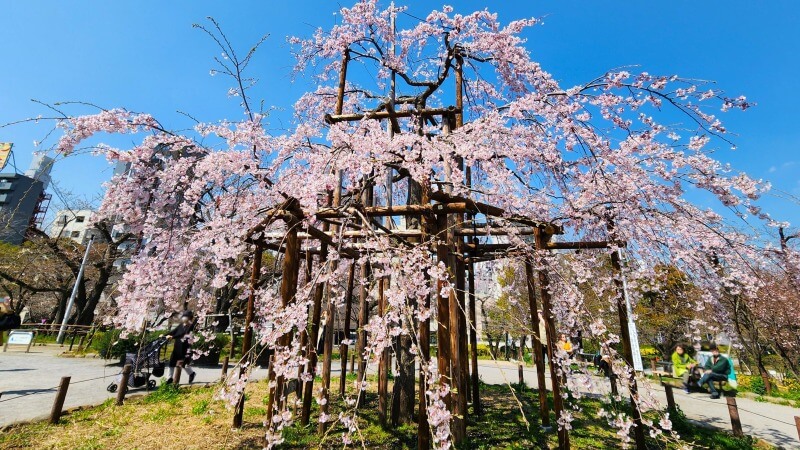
x=326, y=360
x=383, y=365
x=316, y=315
x=363, y=318
x=547, y=312
x=58, y=404
x=622, y=312
x=291, y=269
x=520, y=363
x=239, y=411
x=176, y=378
x=423, y=428
x=733, y=410
x=255, y=274
x=653, y=366
x=348, y=311
x=442, y=311
x=352, y=363
x=670, y=397
x=122, y=386
x=473, y=339
x=247, y=339
x=797, y=425
x=536, y=347
x=225, y=363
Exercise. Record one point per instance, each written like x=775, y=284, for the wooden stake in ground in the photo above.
x=247, y=339
x=625, y=337
x=547, y=312
x=348, y=311
x=538, y=356
x=58, y=403
x=291, y=269
x=423, y=428
x=383, y=365
x=311, y=349
x=122, y=386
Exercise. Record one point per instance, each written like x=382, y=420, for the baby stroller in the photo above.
x=144, y=363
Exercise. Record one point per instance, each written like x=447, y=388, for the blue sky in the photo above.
x=146, y=56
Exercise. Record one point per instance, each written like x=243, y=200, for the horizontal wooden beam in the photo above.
x=331, y=119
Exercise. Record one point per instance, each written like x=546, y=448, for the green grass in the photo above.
x=193, y=418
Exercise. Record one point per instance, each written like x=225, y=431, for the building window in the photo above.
x=76, y=234
x=65, y=233
x=80, y=219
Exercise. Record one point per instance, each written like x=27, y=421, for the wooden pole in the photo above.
x=122, y=386
x=225, y=363
x=176, y=378
x=547, y=313
x=291, y=269
x=247, y=339
x=538, y=356
x=622, y=312
x=459, y=429
x=736, y=423
x=255, y=274
x=423, y=428
x=473, y=340
x=239, y=412
x=443, y=312
x=383, y=365
x=797, y=425
x=311, y=351
x=58, y=404
x=363, y=318
x=348, y=310
x=326, y=361
x=670, y=397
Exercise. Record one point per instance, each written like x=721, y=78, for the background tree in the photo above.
x=666, y=310
x=46, y=268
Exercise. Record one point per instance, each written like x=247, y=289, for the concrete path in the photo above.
x=28, y=381
x=768, y=421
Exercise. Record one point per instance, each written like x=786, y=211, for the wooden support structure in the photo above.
x=538, y=356
x=122, y=386
x=225, y=363
x=348, y=311
x=58, y=403
x=670, y=397
x=622, y=312
x=288, y=289
x=733, y=410
x=547, y=312
x=473, y=340
x=247, y=339
x=383, y=364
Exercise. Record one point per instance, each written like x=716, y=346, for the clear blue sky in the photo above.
x=146, y=57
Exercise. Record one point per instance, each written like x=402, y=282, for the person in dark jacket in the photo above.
x=181, y=350
x=717, y=368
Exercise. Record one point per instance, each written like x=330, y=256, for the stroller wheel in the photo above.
x=112, y=387
x=151, y=384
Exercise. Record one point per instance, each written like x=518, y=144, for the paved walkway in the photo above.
x=768, y=421
x=28, y=381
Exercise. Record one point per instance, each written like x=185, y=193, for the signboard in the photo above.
x=5, y=151
x=20, y=337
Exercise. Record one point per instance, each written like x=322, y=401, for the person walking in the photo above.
x=181, y=350
x=717, y=368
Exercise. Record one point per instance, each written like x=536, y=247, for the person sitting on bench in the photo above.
x=717, y=368
x=684, y=367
